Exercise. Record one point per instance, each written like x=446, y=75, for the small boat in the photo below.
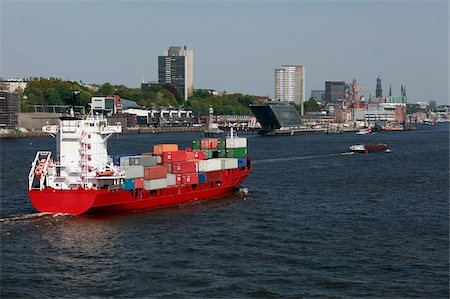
x=364, y=131
x=366, y=148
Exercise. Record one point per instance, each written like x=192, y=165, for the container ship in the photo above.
x=83, y=178
x=280, y=118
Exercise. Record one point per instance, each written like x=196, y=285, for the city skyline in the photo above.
x=237, y=44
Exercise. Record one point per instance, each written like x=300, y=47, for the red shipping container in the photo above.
x=212, y=176
x=209, y=143
x=199, y=155
x=191, y=178
x=174, y=156
x=139, y=183
x=184, y=167
x=168, y=167
x=155, y=172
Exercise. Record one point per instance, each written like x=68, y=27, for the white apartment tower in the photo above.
x=290, y=84
x=176, y=67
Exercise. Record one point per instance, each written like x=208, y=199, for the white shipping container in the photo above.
x=237, y=142
x=155, y=184
x=171, y=179
x=229, y=163
x=209, y=165
x=133, y=172
x=138, y=160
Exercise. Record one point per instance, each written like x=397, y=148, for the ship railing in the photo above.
x=41, y=155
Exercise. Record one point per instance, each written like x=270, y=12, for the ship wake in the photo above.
x=28, y=217
x=274, y=160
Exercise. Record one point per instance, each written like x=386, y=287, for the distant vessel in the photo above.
x=366, y=148
x=364, y=131
x=83, y=178
x=280, y=118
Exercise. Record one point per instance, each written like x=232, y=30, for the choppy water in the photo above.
x=315, y=224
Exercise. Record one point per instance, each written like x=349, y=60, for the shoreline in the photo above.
x=130, y=131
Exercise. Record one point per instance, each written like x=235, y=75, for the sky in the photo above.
x=236, y=44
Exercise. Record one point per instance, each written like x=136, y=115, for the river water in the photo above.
x=315, y=223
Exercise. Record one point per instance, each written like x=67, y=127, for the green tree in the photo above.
x=52, y=96
x=107, y=89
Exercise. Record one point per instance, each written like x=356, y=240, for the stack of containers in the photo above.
x=169, y=166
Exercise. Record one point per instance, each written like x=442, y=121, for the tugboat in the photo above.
x=82, y=178
x=366, y=148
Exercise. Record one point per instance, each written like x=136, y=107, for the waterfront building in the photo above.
x=175, y=67
x=378, y=90
x=318, y=94
x=9, y=109
x=380, y=113
x=432, y=105
x=13, y=85
x=335, y=91
x=290, y=84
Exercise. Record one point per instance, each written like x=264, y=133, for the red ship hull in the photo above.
x=85, y=201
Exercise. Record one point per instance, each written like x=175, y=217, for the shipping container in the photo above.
x=168, y=167
x=199, y=155
x=236, y=152
x=209, y=143
x=171, y=179
x=209, y=165
x=155, y=172
x=201, y=178
x=158, y=149
x=184, y=167
x=155, y=184
x=221, y=144
x=196, y=144
x=139, y=183
x=213, y=176
x=189, y=178
x=116, y=159
x=128, y=184
x=222, y=153
x=176, y=156
x=138, y=160
x=242, y=162
x=132, y=172
x=236, y=142
x=211, y=153
x=229, y=163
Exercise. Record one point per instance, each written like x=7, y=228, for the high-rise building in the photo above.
x=378, y=90
x=290, y=84
x=175, y=67
x=335, y=91
x=9, y=109
x=318, y=94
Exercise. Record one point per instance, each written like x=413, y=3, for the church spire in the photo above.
x=390, y=90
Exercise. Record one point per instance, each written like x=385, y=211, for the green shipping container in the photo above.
x=222, y=153
x=196, y=144
x=211, y=153
x=236, y=152
x=221, y=144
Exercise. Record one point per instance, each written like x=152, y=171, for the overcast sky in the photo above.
x=237, y=45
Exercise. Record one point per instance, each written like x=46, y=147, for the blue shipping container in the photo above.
x=116, y=158
x=128, y=184
x=242, y=162
x=201, y=178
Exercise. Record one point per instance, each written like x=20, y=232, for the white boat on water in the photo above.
x=364, y=131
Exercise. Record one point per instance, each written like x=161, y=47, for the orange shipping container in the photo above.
x=158, y=149
x=155, y=172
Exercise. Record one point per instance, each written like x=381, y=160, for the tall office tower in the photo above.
x=378, y=90
x=175, y=67
x=290, y=84
x=335, y=91
x=9, y=109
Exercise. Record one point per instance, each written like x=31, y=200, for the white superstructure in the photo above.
x=81, y=156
